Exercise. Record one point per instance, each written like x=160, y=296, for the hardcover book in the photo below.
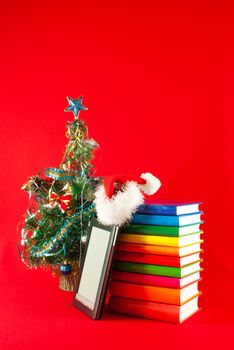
x=159, y=249
x=157, y=230
x=161, y=240
x=157, y=259
x=166, y=220
x=159, y=270
x=169, y=208
x=153, y=310
x=151, y=280
x=165, y=295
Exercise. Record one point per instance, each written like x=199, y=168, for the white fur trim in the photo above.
x=120, y=208
x=152, y=183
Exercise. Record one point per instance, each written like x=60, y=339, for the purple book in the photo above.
x=152, y=280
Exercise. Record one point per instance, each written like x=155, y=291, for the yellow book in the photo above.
x=161, y=240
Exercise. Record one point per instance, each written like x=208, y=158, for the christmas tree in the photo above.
x=61, y=205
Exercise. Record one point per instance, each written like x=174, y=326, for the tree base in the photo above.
x=68, y=283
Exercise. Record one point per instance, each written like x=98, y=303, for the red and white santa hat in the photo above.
x=119, y=196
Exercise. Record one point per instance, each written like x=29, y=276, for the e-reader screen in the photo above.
x=95, y=270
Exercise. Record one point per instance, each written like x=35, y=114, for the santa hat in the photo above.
x=119, y=196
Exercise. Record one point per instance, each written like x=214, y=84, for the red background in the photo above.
x=157, y=78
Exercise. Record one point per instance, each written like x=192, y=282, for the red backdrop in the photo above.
x=157, y=78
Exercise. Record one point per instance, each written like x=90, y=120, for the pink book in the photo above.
x=153, y=280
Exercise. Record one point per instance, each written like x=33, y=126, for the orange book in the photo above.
x=154, y=293
x=152, y=310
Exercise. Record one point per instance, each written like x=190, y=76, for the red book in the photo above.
x=157, y=259
x=154, y=280
x=159, y=250
x=152, y=310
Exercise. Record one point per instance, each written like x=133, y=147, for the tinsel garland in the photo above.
x=62, y=233
x=58, y=174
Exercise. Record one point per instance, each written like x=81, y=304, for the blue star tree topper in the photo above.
x=75, y=106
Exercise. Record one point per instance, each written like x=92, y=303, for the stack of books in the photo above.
x=158, y=263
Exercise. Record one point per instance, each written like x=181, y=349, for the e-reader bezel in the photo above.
x=96, y=313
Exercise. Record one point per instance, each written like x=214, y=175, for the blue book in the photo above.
x=167, y=220
x=169, y=208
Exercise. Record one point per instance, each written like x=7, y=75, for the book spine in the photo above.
x=154, y=240
x=149, y=293
x=148, y=269
x=152, y=230
x=151, y=209
x=155, y=220
x=148, y=259
x=148, y=249
x=170, y=282
x=155, y=311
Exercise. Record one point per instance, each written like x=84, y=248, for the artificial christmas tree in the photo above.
x=61, y=205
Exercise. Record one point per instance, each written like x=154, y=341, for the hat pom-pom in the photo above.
x=152, y=183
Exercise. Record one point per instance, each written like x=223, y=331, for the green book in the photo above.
x=173, y=231
x=159, y=270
